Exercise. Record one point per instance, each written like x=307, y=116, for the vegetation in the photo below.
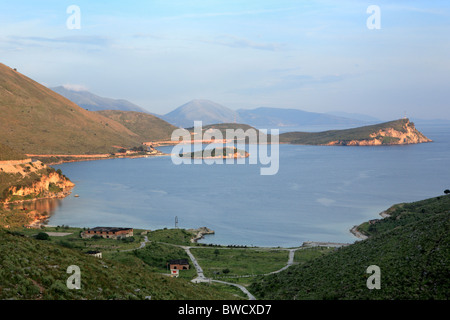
x=33, y=269
x=216, y=152
x=19, y=181
x=36, y=120
x=146, y=126
x=406, y=213
x=7, y=153
x=413, y=257
x=172, y=236
x=239, y=262
x=14, y=219
x=361, y=133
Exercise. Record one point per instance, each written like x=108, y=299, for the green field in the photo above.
x=216, y=261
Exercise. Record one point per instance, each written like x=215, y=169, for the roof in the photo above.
x=109, y=229
x=179, y=261
x=92, y=252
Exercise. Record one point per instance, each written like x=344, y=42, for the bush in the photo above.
x=42, y=236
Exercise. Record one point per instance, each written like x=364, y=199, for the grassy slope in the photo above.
x=147, y=126
x=405, y=213
x=413, y=258
x=35, y=119
x=324, y=137
x=33, y=269
x=7, y=153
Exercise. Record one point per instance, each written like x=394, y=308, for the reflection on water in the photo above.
x=42, y=206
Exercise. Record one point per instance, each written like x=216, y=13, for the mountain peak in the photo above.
x=88, y=100
x=207, y=111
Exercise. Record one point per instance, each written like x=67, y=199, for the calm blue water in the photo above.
x=318, y=194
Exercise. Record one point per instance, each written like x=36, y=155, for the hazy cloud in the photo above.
x=75, y=87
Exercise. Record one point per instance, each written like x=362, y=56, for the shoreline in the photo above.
x=80, y=158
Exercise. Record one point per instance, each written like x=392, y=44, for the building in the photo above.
x=180, y=264
x=108, y=233
x=96, y=254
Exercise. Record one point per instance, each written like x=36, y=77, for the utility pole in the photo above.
x=176, y=222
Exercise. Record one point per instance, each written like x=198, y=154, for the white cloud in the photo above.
x=75, y=87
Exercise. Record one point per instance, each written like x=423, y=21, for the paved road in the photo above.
x=140, y=247
x=201, y=277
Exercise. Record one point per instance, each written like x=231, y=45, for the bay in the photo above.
x=318, y=194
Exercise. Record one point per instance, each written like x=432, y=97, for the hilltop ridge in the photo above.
x=395, y=132
x=36, y=120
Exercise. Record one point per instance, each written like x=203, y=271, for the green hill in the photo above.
x=394, y=132
x=36, y=120
x=414, y=259
x=147, y=126
x=36, y=269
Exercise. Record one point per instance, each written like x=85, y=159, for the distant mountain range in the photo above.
x=210, y=112
x=93, y=102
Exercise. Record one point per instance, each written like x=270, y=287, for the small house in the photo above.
x=96, y=254
x=179, y=264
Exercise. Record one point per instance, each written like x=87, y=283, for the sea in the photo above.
x=318, y=194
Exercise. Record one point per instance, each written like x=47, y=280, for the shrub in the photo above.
x=42, y=236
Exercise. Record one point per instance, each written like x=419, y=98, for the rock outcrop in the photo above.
x=34, y=180
x=388, y=136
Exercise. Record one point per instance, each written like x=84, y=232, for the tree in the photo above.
x=447, y=191
x=42, y=236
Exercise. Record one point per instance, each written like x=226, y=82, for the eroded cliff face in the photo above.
x=35, y=181
x=48, y=186
x=408, y=135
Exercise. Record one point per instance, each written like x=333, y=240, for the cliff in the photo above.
x=408, y=135
x=34, y=180
x=389, y=133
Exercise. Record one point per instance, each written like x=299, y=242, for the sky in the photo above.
x=318, y=56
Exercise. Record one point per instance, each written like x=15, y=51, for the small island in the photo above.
x=216, y=153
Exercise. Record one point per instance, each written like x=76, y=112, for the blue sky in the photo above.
x=310, y=55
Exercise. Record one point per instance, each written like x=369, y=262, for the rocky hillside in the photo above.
x=389, y=133
x=26, y=180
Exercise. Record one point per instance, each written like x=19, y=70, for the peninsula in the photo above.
x=395, y=132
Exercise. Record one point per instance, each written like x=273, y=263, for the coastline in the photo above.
x=358, y=234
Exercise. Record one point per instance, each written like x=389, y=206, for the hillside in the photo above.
x=36, y=120
x=31, y=180
x=147, y=126
x=414, y=260
x=394, y=132
x=223, y=127
x=7, y=153
x=201, y=110
x=405, y=213
x=36, y=270
x=93, y=102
